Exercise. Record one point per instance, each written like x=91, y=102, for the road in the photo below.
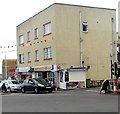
x=86, y=100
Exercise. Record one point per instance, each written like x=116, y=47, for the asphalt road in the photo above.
x=86, y=100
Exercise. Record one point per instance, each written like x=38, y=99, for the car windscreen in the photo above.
x=41, y=81
x=15, y=82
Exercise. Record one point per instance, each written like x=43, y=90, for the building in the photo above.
x=64, y=36
x=8, y=68
x=118, y=42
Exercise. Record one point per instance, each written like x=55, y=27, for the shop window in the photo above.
x=66, y=76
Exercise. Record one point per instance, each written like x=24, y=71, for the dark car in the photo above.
x=37, y=85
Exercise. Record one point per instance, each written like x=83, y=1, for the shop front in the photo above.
x=24, y=73
x=45, y=72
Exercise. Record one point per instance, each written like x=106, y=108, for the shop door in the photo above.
x=44, y=75
x=50, y=77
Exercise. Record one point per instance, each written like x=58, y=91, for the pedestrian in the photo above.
x=4, y=89
x=104, y=86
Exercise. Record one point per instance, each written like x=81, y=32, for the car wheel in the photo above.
x=23, y=90
x=36, y=90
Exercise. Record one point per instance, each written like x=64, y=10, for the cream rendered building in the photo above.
x=64, y=35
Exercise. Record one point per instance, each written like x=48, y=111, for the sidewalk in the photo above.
x=1, y=93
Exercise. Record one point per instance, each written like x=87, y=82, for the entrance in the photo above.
x=44, y=75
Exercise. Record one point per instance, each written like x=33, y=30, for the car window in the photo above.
x=15, y=82
x=8, y=82
x=25, y=81
x=30, y=81
x=41, y=81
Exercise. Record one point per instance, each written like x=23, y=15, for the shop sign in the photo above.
x=24, y=69
x=43, y=68
x=11, y=70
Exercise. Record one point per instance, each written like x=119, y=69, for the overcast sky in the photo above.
x=14, y=12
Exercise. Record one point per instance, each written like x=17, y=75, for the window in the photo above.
x=21, y=58
x=47, y=53
x=28, y=35
x=61, y=76
x=85, y=27
x=36, y=33
x=36, y=55
x=21, y=39
x=66, y=76
x=47, y=28
x=29, y=56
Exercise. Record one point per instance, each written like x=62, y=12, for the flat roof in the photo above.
x=66, y=5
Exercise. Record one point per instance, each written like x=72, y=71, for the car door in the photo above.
x=25, y=85
x=31, y=85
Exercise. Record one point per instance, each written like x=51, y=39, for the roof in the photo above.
x=66, y=5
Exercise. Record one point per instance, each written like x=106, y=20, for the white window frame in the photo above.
x=85, y=25
x=28, y=35
x=21, y=39
x=36, y=55
x=47, y=53
x=47, y=28
x=35, y=33
x=21, y=58
x=29, y=56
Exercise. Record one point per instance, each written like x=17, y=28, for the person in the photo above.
x=4, y=89
x=104, y=86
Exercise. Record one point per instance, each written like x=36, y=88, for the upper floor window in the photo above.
x=28, y=35
x=47, y=28
x=36, y=33
x=47, y=53
x=21, y=58
x=85, y=27
x=36, y=55
x=29, y=56
x=21, y=39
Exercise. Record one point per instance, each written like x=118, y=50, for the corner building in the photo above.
x=63, y=36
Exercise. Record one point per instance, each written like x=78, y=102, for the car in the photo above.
x=1, y=83
x=12, y=85
x=36, y=85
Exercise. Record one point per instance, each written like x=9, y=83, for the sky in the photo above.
x=14, y=12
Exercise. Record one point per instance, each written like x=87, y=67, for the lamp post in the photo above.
x=6, y=66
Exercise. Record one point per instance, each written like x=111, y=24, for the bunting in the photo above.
x=27, y=44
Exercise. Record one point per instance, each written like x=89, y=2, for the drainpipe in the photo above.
x=81, y=39
x=114, y=45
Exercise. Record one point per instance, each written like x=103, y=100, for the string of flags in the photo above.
x=26, y=44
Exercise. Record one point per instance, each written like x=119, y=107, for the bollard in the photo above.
x=115, y=91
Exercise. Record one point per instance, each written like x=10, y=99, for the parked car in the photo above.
x=12, y=85
x=36, y=85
